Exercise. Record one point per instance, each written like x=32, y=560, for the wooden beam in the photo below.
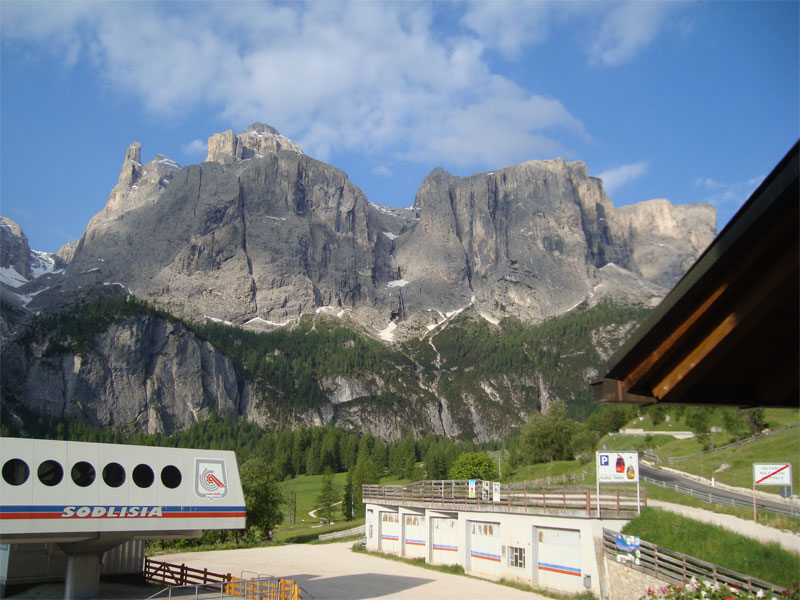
x=609, y=391
x=755, y=301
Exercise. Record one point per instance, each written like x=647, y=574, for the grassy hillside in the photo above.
x=720, y=546
x=778, y=446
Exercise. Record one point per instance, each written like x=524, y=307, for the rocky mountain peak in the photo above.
x=256, y=141
x=137, y=182
x=18, y=263
x=14, y=250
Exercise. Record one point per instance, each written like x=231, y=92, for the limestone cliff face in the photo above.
x=260, y=234
x=267, y=239
x=523, y=241
x=256, y=142
x=664, y=239
x=144, y=374
x=539, y=238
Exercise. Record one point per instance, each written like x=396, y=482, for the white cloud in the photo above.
x=382, y=170
x=509, y=26
x=627, y=29
x=195, y=148
x=727, y=197
x=615, y=178
x=338, y=77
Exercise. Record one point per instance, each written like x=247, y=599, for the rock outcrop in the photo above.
x=139, y=184
x=152, y=376
x=261, y=233
x=18, y=262
x=256, y=141
x=14, y=250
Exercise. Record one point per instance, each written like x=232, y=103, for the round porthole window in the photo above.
x=50, y=472
x=143, y=476
x=15, y=471
x=171, y=476
x=113, y=475
x=83, y=474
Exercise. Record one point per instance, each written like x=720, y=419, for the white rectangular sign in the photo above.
x=772, y=474
x=496, y=491
x=618, y=467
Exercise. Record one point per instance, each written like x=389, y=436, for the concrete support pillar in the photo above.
x=83, y=575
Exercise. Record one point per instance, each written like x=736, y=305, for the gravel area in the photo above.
x=333, y=571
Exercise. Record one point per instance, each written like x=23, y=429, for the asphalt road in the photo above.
x=701, y=488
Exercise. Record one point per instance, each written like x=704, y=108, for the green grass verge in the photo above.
x=307, y=488
x=557, y=468
x=303, y=533
x=765, y=517
x=716, y=545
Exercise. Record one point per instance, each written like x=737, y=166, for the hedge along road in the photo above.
x=333, y=571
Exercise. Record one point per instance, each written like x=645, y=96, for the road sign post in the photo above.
x=617, y=467
x=770, y=474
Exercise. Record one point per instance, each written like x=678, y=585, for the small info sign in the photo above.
x=618, y=467
x=629, y=548
x=772, y=474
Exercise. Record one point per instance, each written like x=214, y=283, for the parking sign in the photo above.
x=618, y=467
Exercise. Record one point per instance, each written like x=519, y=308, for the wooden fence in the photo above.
x=170, y=574
x=518, y=497
x=675, y=567
x=261, y=588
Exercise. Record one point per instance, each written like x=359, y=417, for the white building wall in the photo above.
x=506, y=545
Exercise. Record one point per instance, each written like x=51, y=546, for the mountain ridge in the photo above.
x=443, y=298
x=263, y=233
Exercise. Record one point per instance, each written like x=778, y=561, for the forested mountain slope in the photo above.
x=120, y=363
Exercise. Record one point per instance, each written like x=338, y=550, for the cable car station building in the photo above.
x=90, y=498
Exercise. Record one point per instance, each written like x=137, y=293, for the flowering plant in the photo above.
x=705, y=590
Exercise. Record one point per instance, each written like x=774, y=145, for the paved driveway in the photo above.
x=333, y=571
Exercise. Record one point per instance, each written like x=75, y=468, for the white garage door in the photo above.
x=559, y=556
x=444, y=541
x=390, y=532
x=415, y=536
x=484, y=547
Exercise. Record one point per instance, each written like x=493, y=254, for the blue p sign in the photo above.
x=604, y=460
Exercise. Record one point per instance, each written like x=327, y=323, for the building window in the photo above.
x=16, y=471
x=516, y=557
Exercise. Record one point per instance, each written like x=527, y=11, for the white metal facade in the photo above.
x=53, y=490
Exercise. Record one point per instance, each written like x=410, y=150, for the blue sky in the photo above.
x=690, y=101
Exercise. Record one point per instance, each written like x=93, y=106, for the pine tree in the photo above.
x=347, y=497
x=327, y=497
